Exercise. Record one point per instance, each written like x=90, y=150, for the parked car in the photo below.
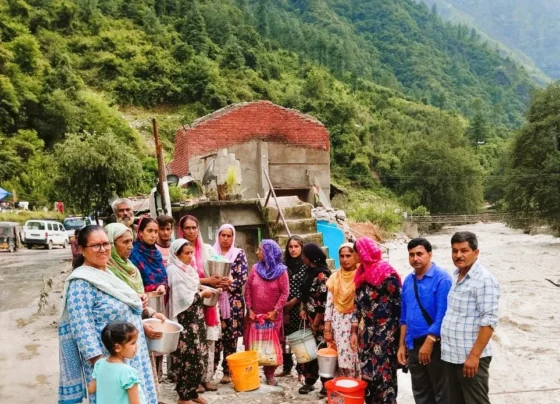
x=9, y=236
x=46, y=233
x=73, y=223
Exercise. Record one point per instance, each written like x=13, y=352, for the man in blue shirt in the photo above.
x=424, y=302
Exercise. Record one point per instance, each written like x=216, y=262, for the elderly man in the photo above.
x=424, y=302
x=470, y=320
x=123, y=211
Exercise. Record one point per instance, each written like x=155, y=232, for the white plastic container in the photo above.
x=303, y=345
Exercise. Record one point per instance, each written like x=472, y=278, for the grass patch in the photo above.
x=21, y=216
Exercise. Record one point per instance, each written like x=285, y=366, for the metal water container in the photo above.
x=219, y=268
x=156, y=301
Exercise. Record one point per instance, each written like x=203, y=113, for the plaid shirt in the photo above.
x=471, y=304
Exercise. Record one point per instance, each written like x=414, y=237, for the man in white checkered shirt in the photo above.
x=470, y=320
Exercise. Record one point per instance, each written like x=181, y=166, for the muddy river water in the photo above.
x=525, y=367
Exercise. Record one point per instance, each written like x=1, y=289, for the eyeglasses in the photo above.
x=97, y=247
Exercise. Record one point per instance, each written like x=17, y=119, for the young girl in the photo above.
x=115, y=382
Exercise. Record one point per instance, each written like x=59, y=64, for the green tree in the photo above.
x=93, y=168
x=532, y=194
x=192, y=26
x=445, y=179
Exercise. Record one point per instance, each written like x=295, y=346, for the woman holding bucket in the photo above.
x=185, y=307
x=293, y=258
x=313, y=306
x=340, y=307
x=232, y=324
x=378, y=303
x=189, y=229
x=266, y=293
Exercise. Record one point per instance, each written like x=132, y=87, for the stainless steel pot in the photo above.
x=222, y=269
x=155, y=301
x=168, y=342
x=212, y=300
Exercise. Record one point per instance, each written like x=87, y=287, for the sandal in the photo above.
x=225, y=380
x=306, y=389
x=200, y=389
x=271, y=382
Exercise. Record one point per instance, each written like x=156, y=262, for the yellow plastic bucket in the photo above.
x=244, y=368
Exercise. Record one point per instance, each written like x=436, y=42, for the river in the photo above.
x=525, y=367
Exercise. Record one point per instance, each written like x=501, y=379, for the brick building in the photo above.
x=293, y=147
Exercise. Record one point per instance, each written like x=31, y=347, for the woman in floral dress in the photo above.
x=313, y=306
x=232, y=322
x=340, y=308
x=185, y=307
x=190, y=230
x=293, y=258
x=378, y=303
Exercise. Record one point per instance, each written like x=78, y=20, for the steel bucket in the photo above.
x=168, y=342
x=212, y=300
x=327, y=360
x=155, y=301
x=222, y=269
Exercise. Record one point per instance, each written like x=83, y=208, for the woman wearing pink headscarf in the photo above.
x=378, y=303
x=232, y=316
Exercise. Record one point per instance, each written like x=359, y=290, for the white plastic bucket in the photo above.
x=303, y=345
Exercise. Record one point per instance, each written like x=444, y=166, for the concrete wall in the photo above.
x=245, y=216
x=293, y=170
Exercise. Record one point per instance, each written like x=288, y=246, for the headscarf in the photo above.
x=272, y=267
x=233, y=251
x=123, y=269
x=294, y=264
x=316, y=256
x=373, y=268
x=296, y=269
x=183, y=281
x=231, y=256
x=341, y=285
x=149, y=262
x=72, y=385
x=200, y=264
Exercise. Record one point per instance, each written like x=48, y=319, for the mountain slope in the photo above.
x=530, y=26
x=367, y=69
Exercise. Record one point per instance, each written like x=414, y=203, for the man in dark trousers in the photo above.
x=424, y=302
x=470, y=321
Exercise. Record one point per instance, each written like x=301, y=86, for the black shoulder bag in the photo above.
x=422, y=309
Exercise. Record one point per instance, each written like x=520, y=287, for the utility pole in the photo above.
x=162, y=176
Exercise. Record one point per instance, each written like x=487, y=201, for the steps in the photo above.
x=298, y=219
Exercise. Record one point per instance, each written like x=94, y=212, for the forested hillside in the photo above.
x=531, y=26
x=404, y=95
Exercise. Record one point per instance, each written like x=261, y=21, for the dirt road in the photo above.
x=526, y=355
x=28, y=342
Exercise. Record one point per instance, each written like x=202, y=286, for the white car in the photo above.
x=47, y=233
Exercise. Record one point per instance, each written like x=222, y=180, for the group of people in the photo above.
x=437, y=326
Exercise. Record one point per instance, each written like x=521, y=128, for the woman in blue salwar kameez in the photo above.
x=94, y=297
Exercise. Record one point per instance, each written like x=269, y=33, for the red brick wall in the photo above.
x=240, y=123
